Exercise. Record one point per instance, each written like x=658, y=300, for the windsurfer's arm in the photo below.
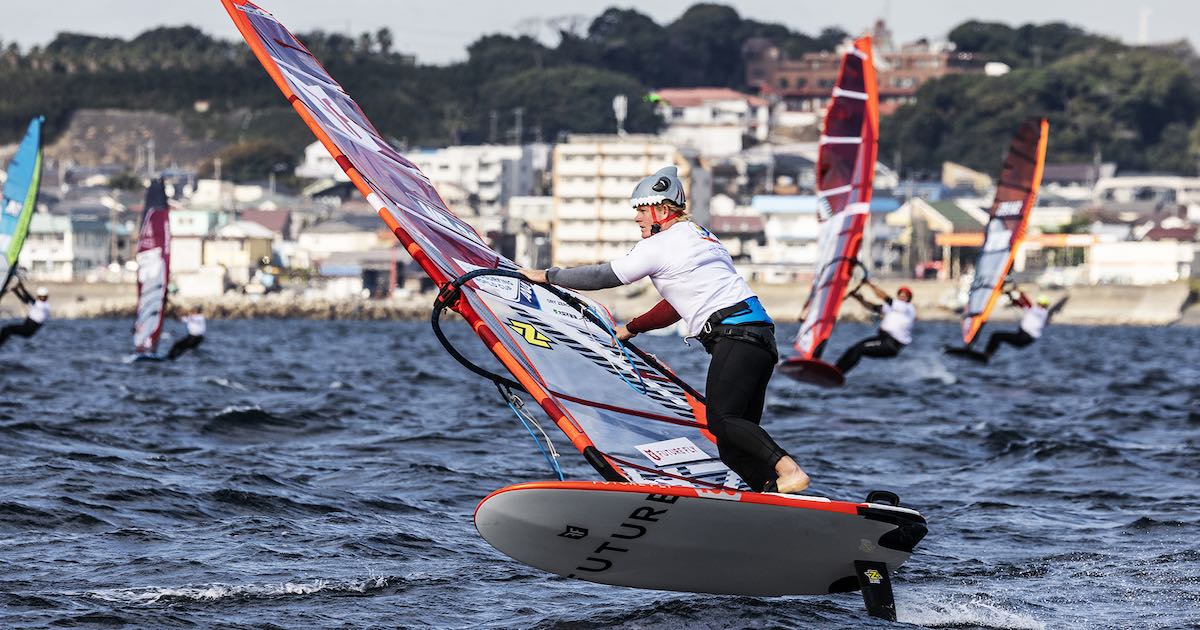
x=660, y=316
x=1022, y=299
x=22, y=294
x=879, y=293
x=585, y=278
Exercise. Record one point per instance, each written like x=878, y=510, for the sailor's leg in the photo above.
x=735, y=393
x=1019, y=339
x=23, y=329
x=853, y=354
x=179, y=347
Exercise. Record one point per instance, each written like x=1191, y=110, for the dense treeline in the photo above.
x=1136, y=106
x=565, y=88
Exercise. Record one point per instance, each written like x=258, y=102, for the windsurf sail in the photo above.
x=845, y=173
x=1008, y=218
x=154, y=269
x=630, y=417
x=20, y=200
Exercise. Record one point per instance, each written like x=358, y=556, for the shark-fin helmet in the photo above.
x=662, y=186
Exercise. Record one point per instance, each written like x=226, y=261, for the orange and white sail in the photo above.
x=1008, y=219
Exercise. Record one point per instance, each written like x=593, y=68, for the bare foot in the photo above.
x=792, y=478
x=793, y=483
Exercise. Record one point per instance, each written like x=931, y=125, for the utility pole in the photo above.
x=493, y=126
x=518, y=125
x=150, y=158
x=217, y=174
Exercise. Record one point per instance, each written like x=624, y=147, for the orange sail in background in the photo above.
x=1016, y=193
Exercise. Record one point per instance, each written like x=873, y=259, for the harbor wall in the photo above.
x=1104, y=305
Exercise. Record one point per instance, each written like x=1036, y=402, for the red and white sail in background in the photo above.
x=154, y=269
x=845, y=176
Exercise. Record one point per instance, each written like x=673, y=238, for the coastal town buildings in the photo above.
x=805, y=84
x=716, y=122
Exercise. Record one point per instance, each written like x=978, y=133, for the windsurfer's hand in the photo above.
x=623, y=334
x=535, y=275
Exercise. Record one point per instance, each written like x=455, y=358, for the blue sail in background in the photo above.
x=20, y=199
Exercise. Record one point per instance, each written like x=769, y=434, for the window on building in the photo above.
x=783, y=83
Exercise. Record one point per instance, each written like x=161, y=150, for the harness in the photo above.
x=745, y=321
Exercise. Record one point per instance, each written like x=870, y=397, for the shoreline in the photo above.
x=1155, y=305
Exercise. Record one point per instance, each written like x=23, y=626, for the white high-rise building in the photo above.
x=593, y=178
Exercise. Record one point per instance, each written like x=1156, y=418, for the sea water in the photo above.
x=324, y=474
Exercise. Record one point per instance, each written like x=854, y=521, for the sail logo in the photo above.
x=1009, y=208
x=532, y=336
x=674, y=451
x=526, y=296
x=873, y=576
x=574, y=533
x=13, y=208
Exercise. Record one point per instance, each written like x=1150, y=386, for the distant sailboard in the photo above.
x=632, y=418
x=154, y=273
x=1008, y=219
x=20, y=200
x=845, y=175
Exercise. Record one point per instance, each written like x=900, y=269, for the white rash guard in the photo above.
x=196, y=326
x=39, y=311
x=1034, y=320
x=690, y=268
x=898, y=318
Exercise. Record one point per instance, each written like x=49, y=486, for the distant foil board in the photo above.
x=812, y=371
x=966, y=353
x=703, y=541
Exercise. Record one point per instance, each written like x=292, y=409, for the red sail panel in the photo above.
x=1008, y=219
x=568, y=365
x=845, y=175
x=154, y=269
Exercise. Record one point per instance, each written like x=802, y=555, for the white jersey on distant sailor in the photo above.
x=1034, y=320
x=898, y=318
x=196, y=326
x=39, y=311
x=690, y=268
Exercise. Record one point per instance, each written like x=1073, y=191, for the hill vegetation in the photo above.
x=1137, y=106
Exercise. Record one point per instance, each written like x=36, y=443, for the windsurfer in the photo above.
x=39, y=312
x=895, y=330
x=1032, y=322
x=694, y=273
x=196, y=327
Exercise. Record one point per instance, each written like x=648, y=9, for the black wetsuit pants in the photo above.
x=183, y=345
x=1020, y=339
x=736, y=391
x=881, y=346
x=24, y=329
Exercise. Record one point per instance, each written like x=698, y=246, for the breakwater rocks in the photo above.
x=1098, y=305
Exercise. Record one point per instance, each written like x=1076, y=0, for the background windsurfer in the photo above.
x=39, y=312
x=895, y=330
x=694, y=273
x=1032, y=322
x=196, y=327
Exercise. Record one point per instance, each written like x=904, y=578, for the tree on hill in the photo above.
x=1137, y=107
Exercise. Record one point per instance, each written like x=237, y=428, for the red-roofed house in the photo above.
x=713, y=120
x=278, y=221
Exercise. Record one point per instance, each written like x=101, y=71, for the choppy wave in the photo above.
x=258, y=483
x=214, y=592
